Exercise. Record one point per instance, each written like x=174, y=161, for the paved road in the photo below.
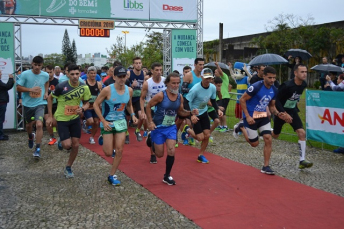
x=36, y=195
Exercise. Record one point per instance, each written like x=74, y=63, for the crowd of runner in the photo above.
x=194, y=103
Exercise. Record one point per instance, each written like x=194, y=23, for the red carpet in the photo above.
x=227, y=194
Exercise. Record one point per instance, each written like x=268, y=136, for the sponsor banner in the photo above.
x=173, y=10
x=184, y=48
x=101, y=9
x=325, y=117
x=7, y=67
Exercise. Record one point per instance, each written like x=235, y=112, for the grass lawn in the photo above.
x=288, y=133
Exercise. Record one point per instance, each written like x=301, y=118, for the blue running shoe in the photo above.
x=30, y=143
x=185, y=142
x=37, y=153
x=113, y=180
x=59, y=145
x=100, y=140
x=113, y=154
x=68, y=172
x=145, y=134
x=202, y=159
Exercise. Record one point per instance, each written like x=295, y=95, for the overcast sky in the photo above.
x=238, y=17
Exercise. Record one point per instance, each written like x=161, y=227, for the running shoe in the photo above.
x=185, y=134
x=153, y=159
x=211, y=139
x=3, y=138
x=192, y=142
x=338, y=150
x=89, y=129
x=186, y=142
x=138, y=135
x=145, y=133
x=31, y=143
x=267, y=170
x=37, y=153
x=176, y=145
x=68, y=172
x=218, y=128
x=305, y=164
x=91, y=141
x=113, y=153
x=59, y=145
x=168, y=180
x=127, y=139
x=100, y=140
x=52, y=141
x=149, y=140
x=202, y=159
x=113, y=180
x=223, y=130
x=235, y=134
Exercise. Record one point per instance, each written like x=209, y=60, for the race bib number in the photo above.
x=202, y=105
x=169, y=120
x=92, y=99
x=136, y=93
x=120, y=124
x=70, y=110
x=260, y=114
x=35, y=94
x=290, y=104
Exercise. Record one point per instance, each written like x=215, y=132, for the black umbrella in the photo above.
x=212, y=65
x=298, y=52
x=267, y=59
x=327, y=68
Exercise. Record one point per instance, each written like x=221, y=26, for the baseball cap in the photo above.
x=120, y=71
x=207, y=73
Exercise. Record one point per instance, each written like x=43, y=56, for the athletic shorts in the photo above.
x=238, y=111
x=202, y=124
x=261, y=124
x=296, y=124
x=90, y=114
x=161, y=134
x=213, y=115
x=69, y=129
x=34, y=113
x=223, y=103
x=53, y=109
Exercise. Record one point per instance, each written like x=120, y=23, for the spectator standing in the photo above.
x=4, y=99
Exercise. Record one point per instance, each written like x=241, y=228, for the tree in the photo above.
x=66, y=48
x=150, y=51
x=74, y=52
x=54, y=59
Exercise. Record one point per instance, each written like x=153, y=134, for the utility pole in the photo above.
x=125, y=39
x=220, y=41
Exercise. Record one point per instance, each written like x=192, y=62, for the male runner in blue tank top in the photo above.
x=254, y=102
x=136, y=79
x=167, y=104
x=114, y=99
x=189, y=80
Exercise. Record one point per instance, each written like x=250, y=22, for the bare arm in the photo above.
x=144, y=91
x=243, y=100
x=154, y=101
x=130, y=107
x=96, y=105
x=219, y=69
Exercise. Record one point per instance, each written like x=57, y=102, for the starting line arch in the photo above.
x=166, y=26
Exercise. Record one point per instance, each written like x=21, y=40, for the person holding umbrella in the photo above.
x=297, y=60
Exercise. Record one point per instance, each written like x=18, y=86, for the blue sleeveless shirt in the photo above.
x=166, y=111
x=114, y=108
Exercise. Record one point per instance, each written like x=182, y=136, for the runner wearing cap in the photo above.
x=69, y=94
x=114, y=99
x=198, y=98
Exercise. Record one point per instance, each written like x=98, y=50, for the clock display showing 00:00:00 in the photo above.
x=90, y=32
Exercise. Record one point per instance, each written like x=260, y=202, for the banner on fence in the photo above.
x=7, y=67
x=184, y=48
x=325, y=117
